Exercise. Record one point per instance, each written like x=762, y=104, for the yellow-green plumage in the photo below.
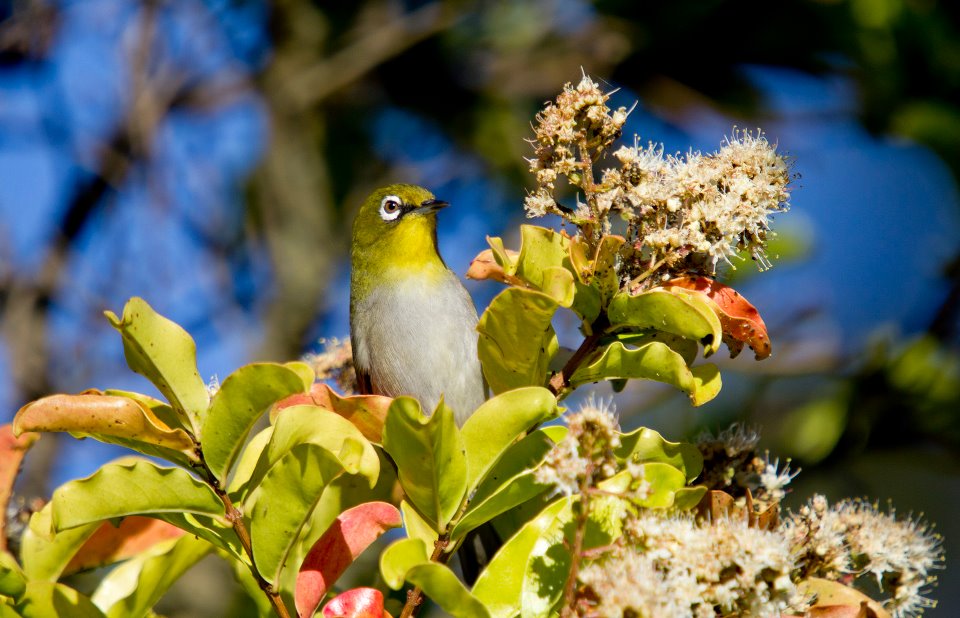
x=412, y=323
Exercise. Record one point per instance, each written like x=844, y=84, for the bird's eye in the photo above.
x=390, y=207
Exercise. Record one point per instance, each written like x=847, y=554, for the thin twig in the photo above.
x=415, y=596
x=561, y=381
x=570, y=587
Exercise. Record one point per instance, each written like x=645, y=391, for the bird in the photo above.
x=412, y=323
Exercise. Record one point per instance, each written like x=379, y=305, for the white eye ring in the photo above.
x=390, y=207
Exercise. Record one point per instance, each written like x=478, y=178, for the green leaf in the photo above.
x=586, y=304
x=540, y=250
x=247, y=465
x=686, y=498
x=416, y=526
x=687, y=348
x=500, y=254
x=13, y=583
x=430, y=458
x=161, y=351
x=664, y=480
x=646, y=445
x=676, y=311
x=509, y=483
x=653, y=361
x=309, y=424
x=44, y=554
x=707, y=383
x=500, y=422
x=133, y=587
x=242, y=399
x=131, y=488
x=408, y=560
x=500, y=585
x=517, y=340
x=558, y=284
x=46, y=599
x=401, y=556
x=216, y=532
x=111, y=419
x=280, y=505
x=444, y=588
x=605, y=278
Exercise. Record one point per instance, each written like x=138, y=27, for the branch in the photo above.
x=415, y=596
x=561, y=381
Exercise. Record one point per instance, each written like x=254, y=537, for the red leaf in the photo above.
x=356, y=603
x=111, y=543
x=12, y=450
x=339, y=546
x=366, y=412
x=740, y=320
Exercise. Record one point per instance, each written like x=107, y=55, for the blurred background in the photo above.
x=209, y=156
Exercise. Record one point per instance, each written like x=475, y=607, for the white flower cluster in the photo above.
x=854, y=538
x=680, y=568
x=585, y=455
x=683, y=213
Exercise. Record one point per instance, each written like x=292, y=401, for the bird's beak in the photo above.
x=431, y=206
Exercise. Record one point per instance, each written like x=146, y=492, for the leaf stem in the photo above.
x=415, y=596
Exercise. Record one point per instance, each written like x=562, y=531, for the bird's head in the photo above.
x=397, y=226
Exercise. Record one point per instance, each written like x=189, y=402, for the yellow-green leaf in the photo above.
x=517, y=340
x=161, y=351
x=677, y=311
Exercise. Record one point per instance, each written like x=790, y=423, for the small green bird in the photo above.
x=412, y=323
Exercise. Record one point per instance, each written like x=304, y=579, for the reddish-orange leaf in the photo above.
x=366, y=412
x=111, y=543
x=344, y=540
x=740, y=320
x=356, y=603
x=485, y=266
x=12, y=450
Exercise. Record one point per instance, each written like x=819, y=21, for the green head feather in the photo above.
x=395, y=233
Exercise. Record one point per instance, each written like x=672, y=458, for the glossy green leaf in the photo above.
x=430, y=458
x=707, y=383
x=308, y=424
x=247, y=464
x=646, y=445
x=604, y=277
x=13, y=583
x=216, y=532
x=416, y=526
x=507, y=263
x=687, y=348
x=278, y=508
x=47, y=599
x=517, y=340
x=108, y=418
x=500, y=422
x=678, y=312
x=44, y=554
x=242, y=399
x=161, y=351
x=558, y=283
x=540, y=250
x=509, y=483
x=664, y=481
x=653, y=361
x=131, y=488
x=401, y=556
x=687, y=498
x=500, y=585
x=443, y=587
x=132, y=588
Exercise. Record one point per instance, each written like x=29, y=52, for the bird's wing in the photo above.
x=364, y=384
